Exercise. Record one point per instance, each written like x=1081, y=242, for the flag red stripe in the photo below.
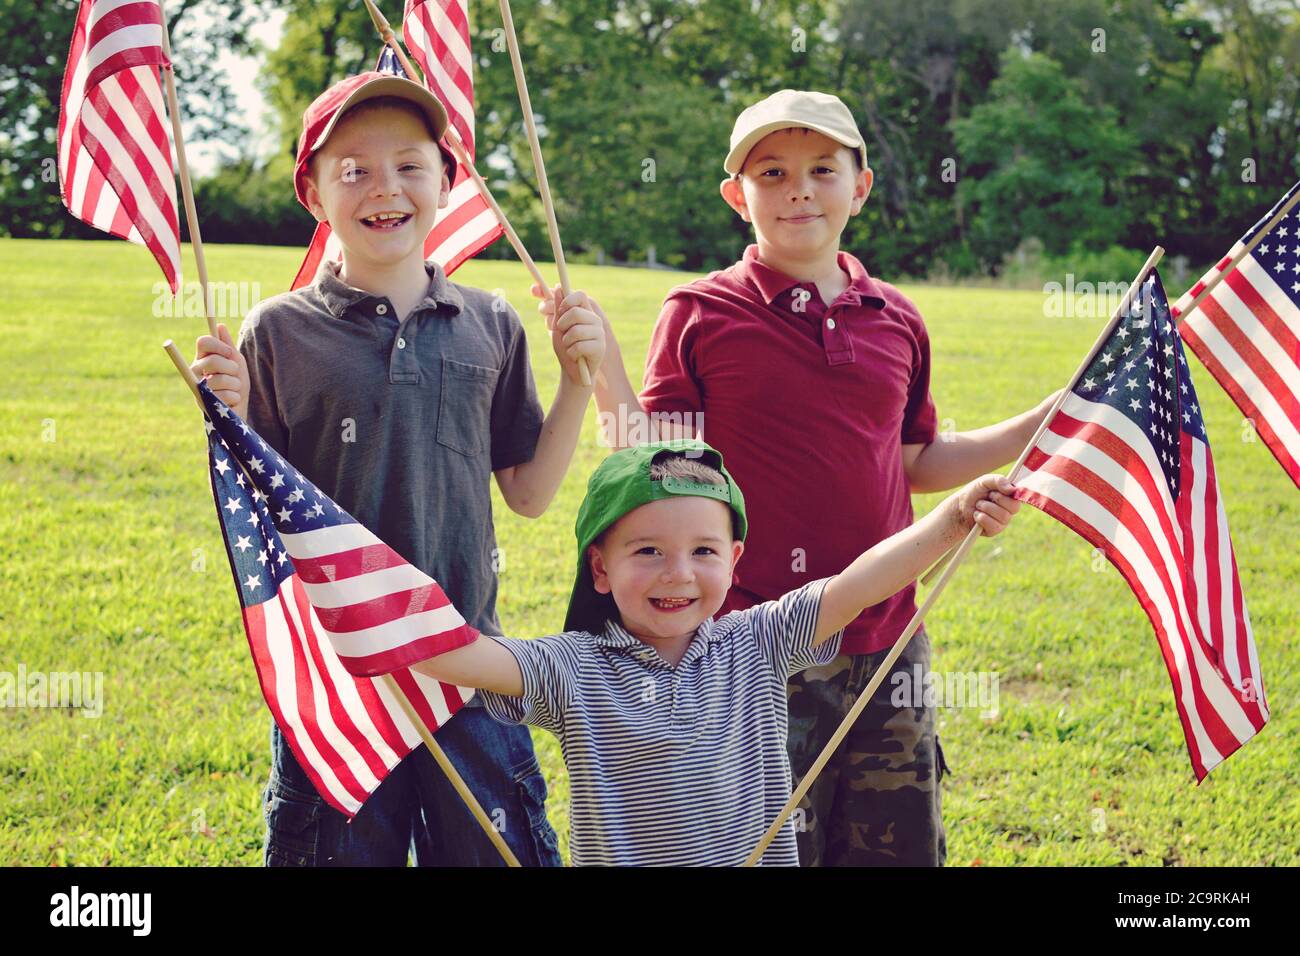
x=1254, y=709
x=1242, y=345
x=1264, y=314
x=347, y=564
x=130, y=86
x=419, y=704
x=1243, y=401
x=315, y=253
x=411, y=652
x=382, y=610
x=76, y=48
x=1098, y=540
x=1125, y=455
x=1213, y=572
x=342, y=719
x=126, y=196
x=377, y=710
x=473, y=249
x=307, y=710
x=1109, y=498
x=457, y=217
x=255, y=628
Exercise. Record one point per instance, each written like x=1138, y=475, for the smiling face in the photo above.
x=798, y=188
x=378, y=181
x=668, y=565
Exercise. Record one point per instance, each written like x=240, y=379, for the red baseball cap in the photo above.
x=320, y=119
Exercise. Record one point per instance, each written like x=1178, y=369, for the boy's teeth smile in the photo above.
x=671, y=604
x=386, y=220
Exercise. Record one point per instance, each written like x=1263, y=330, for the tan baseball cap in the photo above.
x=793, y=108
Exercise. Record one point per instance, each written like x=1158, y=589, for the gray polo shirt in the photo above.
x=402, y=423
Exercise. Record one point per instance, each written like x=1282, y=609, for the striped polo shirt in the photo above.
x=673, y=766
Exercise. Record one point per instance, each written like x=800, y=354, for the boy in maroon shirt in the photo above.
x=796, y=346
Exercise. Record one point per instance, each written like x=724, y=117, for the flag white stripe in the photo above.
x=1236, y=368
x=102, y=8
x=1268, y=289
x=1227, y=614
x=393, y=634
x=1260, y=337
x=367, y=587
x=346, y=688
x=334, y=735
x=134, y=127
x=126, y=167
x=1200, y=564
x=1129, y=434
x=1116, y=476
x=322, y=542
x=285, y=677
x=404, y=726
x=450, y=94
x=143, y=36
x=481, y=225
x=432, y=691
x=1075, y=500
x=1113, y=474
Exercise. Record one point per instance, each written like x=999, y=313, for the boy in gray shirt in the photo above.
x=400, y=394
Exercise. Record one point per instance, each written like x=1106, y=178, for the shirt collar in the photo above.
x=770, y=283
x=616, y=636
x=339, y=296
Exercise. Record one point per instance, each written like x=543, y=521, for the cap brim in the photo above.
x=735, y=160
x=398, y=86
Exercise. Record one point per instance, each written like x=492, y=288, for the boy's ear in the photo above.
x=734, y=194
x=861, y=190
x=737, y=549
x=313, y=198
x=599, y=575
x=444, y=191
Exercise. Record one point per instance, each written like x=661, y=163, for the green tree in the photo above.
x=1042, y=162
x=33, y=53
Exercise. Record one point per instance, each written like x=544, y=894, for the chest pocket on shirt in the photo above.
x=465, y=406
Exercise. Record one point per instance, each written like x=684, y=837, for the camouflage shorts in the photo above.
x=877, y=802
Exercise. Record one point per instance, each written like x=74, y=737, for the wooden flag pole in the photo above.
x=958, y=555
x=453, y=775
x=457, y=781
x=183, y=167
x=1245, y=250
x=457, y=147
x=552, y=227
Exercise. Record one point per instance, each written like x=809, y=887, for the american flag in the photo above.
x=437, y=34
x=326, y=606
x=1126, y=464
x=1247, y=332
x=115, y=161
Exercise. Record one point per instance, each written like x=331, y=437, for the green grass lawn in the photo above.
x=112, y=562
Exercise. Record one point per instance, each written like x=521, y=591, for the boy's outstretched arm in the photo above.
x=528, y=488
x=896, y=562
x=484, y=664
x=616, y=399
x=953, y=460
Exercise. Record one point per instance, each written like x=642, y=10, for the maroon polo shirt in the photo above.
x=810, y=406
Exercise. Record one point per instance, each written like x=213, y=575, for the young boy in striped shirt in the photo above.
x=673, y=724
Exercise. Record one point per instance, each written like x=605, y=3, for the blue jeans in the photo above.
x=416, y=809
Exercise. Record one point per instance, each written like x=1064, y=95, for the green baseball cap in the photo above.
x=622, y=483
